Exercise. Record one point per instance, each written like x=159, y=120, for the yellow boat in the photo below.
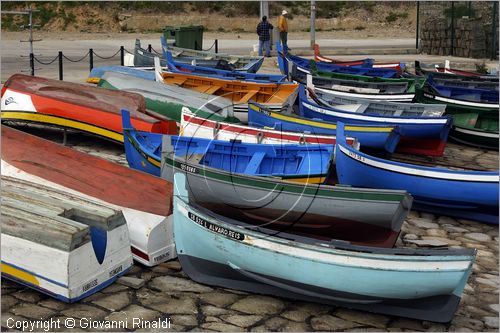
x=275, y=96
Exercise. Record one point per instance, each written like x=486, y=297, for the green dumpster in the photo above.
x=188, y=37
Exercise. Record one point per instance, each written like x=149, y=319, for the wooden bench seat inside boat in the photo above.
x=51, y=217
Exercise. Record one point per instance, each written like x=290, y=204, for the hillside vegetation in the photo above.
x=147, y=16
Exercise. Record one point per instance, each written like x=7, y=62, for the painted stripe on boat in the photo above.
x=289, y=187
x=61, y=121
x=476, y=133
x=245, y=130
x=330, y=125
x=395, y=97
x=25, y=275
x=418, y=172
x=375, y=118
x=341, y=257
x=456, y=101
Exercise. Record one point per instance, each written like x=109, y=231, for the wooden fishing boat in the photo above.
x=379, y=137
x=469, y=84
x=88, y=109
x=296, y=163
x=476, y=129
x=299, y=74
x=199, y=127
x=285, y=62
x=421, y=135
x=165, y=100
x=354, y=83
x=463, y=194
x=355, y=104
x=144, y=200
x=458, y=100
x=450, y=73
x=277, y=97
x=177, y=67
x=224, y=252
x=62, y=245
x=201, y=58
x=400, y=92
x=364, y=217
x=146, y=73
x=398, y=66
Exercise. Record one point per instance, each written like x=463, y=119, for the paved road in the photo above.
x=104, y=45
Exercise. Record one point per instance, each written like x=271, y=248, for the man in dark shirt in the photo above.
x=263, y=30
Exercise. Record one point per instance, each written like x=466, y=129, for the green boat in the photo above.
x=168, y=101
x=476, y=129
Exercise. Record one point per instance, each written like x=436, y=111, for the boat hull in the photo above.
x=69, y=105
x=378, y=137
x=144, y=200
x=318, y=211
x=234, y=256
x=440, y=189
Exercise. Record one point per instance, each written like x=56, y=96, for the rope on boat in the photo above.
x=46, y=63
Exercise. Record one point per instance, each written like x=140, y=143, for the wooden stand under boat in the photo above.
x=146, y=201
x=60, y=244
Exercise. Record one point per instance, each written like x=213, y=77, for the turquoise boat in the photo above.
x=218, y=251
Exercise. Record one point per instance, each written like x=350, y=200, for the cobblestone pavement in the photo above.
x=165, y=291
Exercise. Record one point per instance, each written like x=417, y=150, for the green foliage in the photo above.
x=460, y=10
x=330, y=9
x=392, y=17
x=45, y=14
x=368, y=5
x=481, y=68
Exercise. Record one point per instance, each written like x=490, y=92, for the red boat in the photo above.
x=318, y=57
x=145, y=200
x=71, y=105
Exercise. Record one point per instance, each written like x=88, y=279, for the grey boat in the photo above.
x=369, y=216
x=144, y=58
x=362, y=105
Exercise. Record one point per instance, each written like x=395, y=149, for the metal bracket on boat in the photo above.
x=260, y=137
x=216, y=130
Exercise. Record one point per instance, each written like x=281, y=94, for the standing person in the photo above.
x=263, y=30
x=283, y=27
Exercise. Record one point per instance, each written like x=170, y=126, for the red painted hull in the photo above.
x=419, y=146
x=87, y=174
x=318, y=57
x=82, y=107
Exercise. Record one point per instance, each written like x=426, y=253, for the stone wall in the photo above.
x=472, y=32
x=472, y=37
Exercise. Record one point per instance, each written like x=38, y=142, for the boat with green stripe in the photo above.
x=362, y=216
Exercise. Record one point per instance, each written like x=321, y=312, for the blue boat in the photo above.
x=429, y=134
x=376, y=136
x=177, y=67
x=285, y=60
x=462, y=194
x=465, y=94
x=291, y=162
x=219, y=251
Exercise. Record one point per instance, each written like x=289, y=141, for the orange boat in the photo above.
x=276, y=96
x=97, y=111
